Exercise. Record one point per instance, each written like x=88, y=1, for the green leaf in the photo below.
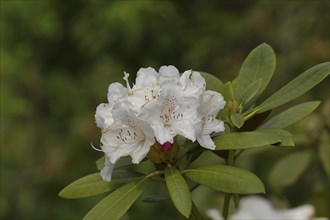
x=125, y=176
x=289, y=168
x=259, y=64
x=237, y=119
x=93, y=184
x=244, y=140
x=250, y=92
x=124, y=162
x=212, y=82
x=324, y=151
x=291, y=115
x=178, y=190
x=90, y=185
x=117, y=203
x=298, y=86
x=226, y=179
x=285, y=137
x=100, y=163
x=227, y=91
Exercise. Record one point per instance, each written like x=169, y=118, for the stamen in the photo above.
x=96, y=148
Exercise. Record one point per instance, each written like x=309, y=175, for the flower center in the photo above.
x=169, y=114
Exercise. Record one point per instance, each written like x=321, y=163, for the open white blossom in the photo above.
x=171, y=114
x=146, y=88
x=127, y=136
x=258, y=208
x=211, y=103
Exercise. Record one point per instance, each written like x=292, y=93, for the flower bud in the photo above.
x=163, y=153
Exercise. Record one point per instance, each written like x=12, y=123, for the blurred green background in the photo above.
x=59, y=57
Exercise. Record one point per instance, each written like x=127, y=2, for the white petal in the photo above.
x=122, y=151
x=103, y=116
x=169, y=73
x=185, y=128
x=213, y=126
x=116, y=91
x=206, y=141
x=137, y=99
x=121, y=112
x=146, y=77
x=151, y=113
x=214, y=214
x=139, y=153
x=106, y=171
x=304, y=212
x=164, y=134
x=255, y=207
x=193, y=84
x=211, y=103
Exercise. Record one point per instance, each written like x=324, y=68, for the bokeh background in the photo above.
x=59, y=57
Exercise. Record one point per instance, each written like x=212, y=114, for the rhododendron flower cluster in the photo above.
x=157, y=108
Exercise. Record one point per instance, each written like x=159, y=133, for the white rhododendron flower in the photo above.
x=158, y=107
x=127, y=136
x=258, y=208
x=171, y=114
x=211, y=103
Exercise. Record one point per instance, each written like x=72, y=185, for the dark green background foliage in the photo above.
x=58, y=58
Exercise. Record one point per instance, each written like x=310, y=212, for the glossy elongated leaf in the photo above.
x=90, y=185
x=226, y=179
x=123, y=162
x=237, y=119
x=324, y=151
x=227, y=91
x=289, y=168
x=212, y=82
x=178, y=190
x=298, y=86
x=100, y=163
x=291, y=115
x=250, y=92
x=93, y=184
x=117, y=203
x=259, y=64
x=125, y=176
x=285, y=137
x=244, y=140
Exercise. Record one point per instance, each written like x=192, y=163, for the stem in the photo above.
x=226, y=203
x=195, y=214
x=236, y=200
x=238, y=154
x=226, y=206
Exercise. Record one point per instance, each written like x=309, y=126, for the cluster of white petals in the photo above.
x=258, y=208
x=158, y=107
